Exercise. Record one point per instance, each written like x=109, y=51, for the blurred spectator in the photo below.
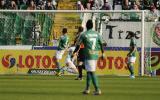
x=91, y=3
x=134, y=2
x=2, y=4
x=117, y=4
x=139, y=3
x=134, y=16
x=79, y=6
x=126, y=4
x=31, y=6
x=13, y=5
x=49, y=6
x=106, y=6
x=155, y=2
x=23, y=5
x=41, y=5
x=36, y=32
x=37, y=2
x=88, y=6
x=99, y=4
x=153, y=13
x=158, y=4
x=54, y=3
x=135, y=7
x=146, y=4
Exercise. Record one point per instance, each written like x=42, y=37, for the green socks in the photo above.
x=88, y=80
x=58, y=66
x=92, y=76
x=131, y=69
x=95, y=81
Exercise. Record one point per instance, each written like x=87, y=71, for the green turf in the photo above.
x=66, y=88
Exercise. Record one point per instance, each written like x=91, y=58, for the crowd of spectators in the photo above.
x=82, y=4
x=29, y=28
x=119, y=4
x=28, y=4
x=152, y=6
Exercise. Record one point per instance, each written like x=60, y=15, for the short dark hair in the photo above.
x=89, y=24
x=80, y=29
x=64, y=30
x=132, y=34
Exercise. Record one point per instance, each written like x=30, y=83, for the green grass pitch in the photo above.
x=66, y=88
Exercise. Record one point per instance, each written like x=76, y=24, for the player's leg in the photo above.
x=58, y=67
x=88, y=81
x=58, y=57
x=71, y=67
x=130, y=68
x=80, y=64
x=57, y=63
x=130, y=65
x=79, y=67
x=93, y=64
x=91, y=68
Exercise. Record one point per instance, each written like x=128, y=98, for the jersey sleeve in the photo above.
x=63, y=42
x=80, y=39
x=100, y=40
x=133, y=42
x=66, y=41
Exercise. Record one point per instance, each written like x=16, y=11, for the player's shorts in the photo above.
x=70, y=63
x=131, y=59
x=68, y=60
x=59, y=54
x=90, y=65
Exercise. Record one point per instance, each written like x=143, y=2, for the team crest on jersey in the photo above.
x=156, y=34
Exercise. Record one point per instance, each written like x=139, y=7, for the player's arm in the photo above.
x=133, y=47
x=101, y=46
x=78, y=43
x=132, y=50
x=75, y=51
x=66, y=43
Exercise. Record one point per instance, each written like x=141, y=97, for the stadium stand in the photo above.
x=122, y=4
x=61, y=20
x=23, y=29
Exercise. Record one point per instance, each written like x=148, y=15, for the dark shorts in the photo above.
x=81, y=56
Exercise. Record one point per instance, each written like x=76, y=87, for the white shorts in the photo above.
x=59, y=54
x=71, y=64
x=131, y=59
x=90, y=65
x=68, y=60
